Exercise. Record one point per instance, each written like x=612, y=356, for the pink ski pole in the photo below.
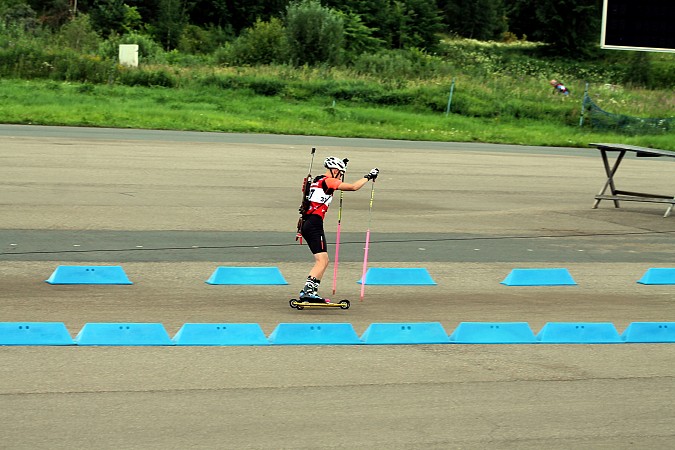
x=337, y=244
x=365, y=253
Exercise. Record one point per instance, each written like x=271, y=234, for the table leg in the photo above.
x=610, y=171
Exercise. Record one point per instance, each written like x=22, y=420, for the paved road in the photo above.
x=273, y=247
x=170, y=207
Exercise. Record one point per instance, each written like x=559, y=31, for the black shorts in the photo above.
x=313, y=234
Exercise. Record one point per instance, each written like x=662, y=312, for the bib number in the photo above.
x=319, y=196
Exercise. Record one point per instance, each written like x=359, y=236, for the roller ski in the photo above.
x=317, y=302
x=309, y=298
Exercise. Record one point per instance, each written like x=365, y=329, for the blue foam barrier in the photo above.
x=649, y=332
x=247, y=275
x=405, y=333
x=493, y=333
x=88, y=275
x=34, y=333
x=539, y=277
x=658, y=276
x=398, y=277
x=220, y=334
x=579, y=333
x=314, y=334
x=123, y=334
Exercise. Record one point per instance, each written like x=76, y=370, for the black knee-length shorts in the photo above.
x=313, y=234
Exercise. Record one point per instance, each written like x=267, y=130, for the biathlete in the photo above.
x=319, y=198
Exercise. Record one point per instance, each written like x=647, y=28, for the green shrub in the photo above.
x=198, y=40
x=663, y=74
x=356, y=90
x=471, y=106
x=427, y=98
x=263, y=43
x=298, y=92
x=146, y=77
x=267, y=86
x=67, y=65
x=402, y=64
x=223, y=56
x=190, y=60
x=70, y=65
x=648, y=70
x=314, y=33
x=79, y=35
x=221, y=81
x=385, y=64
x=23, y=61
x=86, y=89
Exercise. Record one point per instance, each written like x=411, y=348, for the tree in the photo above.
x=263, y=43
x=133, y=21
x=107, y=16
x=314, y=33
x=19, y=13
x=52, y=13
x=421, y=24
x=396, y=23
x=374, y=14
x=483, y=20
x=204, y=40
x=572, y=27
x=171, y=19
x=79, y=35
x=358, y=37
x=520, y=15
x=235, y=14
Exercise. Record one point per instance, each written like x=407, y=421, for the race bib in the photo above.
x=319, y=196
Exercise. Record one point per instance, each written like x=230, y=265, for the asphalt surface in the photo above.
x=170, y=207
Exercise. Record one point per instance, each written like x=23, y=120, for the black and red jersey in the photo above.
x=321, y=194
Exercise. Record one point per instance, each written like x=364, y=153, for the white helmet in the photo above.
x=335, y=163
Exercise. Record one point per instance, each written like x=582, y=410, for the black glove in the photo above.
x=372, y=175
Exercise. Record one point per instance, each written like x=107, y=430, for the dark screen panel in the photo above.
x=639, y=24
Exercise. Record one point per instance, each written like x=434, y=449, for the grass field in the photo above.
x=210, y=108
x=500, y=94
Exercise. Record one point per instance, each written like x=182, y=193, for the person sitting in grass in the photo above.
x=559, y=88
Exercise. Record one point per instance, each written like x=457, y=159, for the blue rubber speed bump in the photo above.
x=247, y=275
x=579, y=333
x=314, y=334
x=493, y=333
x=658, y=276
x=220, y=334
x=649, y=332
x=88, y=275
x=34, y=333
x=398, y=277
x=405, y=333
x=123, y=334
x=539, y=277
